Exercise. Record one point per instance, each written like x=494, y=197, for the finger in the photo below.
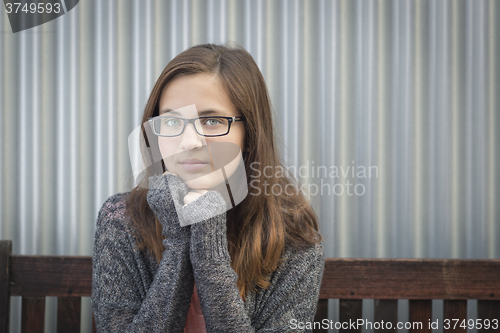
x=200, y=191
x=190, y=197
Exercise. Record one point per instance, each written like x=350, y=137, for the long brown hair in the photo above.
x=262, y=225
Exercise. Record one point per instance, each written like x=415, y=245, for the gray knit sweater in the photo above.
x=131, y=292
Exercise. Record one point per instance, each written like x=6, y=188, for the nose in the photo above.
x=190, y=138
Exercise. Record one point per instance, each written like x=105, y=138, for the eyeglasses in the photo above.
x=205, y=126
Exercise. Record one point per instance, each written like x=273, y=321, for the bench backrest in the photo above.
x=69, y=278
x=420, y=281
x=349, y=280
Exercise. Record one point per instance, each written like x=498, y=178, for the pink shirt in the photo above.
x=194, y=321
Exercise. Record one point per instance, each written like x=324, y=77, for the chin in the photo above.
x=201, y=184
x=195, y=185
x=202, y=180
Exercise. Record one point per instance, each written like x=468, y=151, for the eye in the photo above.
x=172, y=122
x=213, y=121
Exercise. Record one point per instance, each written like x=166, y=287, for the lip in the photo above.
x=193, y=164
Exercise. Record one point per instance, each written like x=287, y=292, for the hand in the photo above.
x=201, y=205
x=193, y=195
x=164, y=195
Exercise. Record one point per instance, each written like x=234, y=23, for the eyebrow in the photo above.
x=201, y=113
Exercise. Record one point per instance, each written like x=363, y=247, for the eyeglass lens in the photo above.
x=172, y=126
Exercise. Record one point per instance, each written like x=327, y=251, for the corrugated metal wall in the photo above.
x=408, y=88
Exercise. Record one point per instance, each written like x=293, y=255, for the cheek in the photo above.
x=241, y=139
x=167, y=148
x=237, y=136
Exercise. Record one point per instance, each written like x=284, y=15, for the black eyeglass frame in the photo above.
x=186, y=121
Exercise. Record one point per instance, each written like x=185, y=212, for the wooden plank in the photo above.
x=420, y=315
x=489, y=310
x=386, y=311
x=5, y=252
x=411, y=279
x=32, y=314
x=455, y=312
x=350, y=311
x=342, y=278
x=68, y=314
x=94, y=329
x=321, y=313
x=37, y=276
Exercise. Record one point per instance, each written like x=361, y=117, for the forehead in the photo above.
x=205, y=91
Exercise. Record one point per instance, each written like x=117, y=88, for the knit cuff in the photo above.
x=178, y=244
x=208, y=206
x=172, y=184
x=209, y=241
x=164, y=197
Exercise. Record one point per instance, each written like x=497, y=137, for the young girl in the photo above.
x=256, y=267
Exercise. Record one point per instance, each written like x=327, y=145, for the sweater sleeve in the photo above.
x=293, y=294
x=120, y=301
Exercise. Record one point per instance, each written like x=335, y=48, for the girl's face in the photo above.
x=194, y=157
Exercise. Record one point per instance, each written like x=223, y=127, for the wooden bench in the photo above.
x=420, y=281
x=349, y=280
